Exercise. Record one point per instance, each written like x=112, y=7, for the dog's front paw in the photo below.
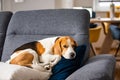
x=47, y=67
x=42, y=67
x=55, y=60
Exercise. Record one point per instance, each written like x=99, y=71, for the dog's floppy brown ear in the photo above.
x=57, y=47
x=75, y=43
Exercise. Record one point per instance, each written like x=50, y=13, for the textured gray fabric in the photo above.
x=4, y=21
x=26, y=26
x=97, y=68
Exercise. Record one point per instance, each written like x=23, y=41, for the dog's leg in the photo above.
x=55, y=59
x=36, y=57
x=25, y=57
x=51, y=59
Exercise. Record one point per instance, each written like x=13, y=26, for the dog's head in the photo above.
x=65, y=46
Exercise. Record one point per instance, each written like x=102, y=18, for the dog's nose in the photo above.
x=72, y=55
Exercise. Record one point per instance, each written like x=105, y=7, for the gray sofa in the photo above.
x=4, y=21
x=27, y=26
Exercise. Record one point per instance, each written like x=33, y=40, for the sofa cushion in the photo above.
x=4, y=21
x=17, y=72
x=65, y=67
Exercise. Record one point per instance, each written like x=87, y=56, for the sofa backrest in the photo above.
x=27, y=26
x=4, y=21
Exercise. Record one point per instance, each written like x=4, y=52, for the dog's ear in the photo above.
x=75, y=43
x=57, y=47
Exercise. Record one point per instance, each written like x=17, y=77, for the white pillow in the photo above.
x=16, y=72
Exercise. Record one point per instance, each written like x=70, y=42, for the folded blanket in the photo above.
x=16, y=72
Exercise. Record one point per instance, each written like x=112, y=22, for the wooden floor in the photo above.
x=117, y=72
x=117, y=68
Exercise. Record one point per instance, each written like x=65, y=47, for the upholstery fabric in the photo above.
x=27, y=26
x=17, y=72
x=97, y=68
x=4, y=21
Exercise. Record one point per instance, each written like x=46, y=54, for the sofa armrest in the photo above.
x=100, y=67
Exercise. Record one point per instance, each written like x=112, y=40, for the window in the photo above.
x=109, y=0
x=104, y=5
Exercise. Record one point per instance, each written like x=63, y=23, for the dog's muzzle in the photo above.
x=72, y=55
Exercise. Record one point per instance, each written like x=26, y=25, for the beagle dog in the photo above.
x=45, y=51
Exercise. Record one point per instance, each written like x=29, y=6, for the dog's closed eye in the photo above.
x=65, y=46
